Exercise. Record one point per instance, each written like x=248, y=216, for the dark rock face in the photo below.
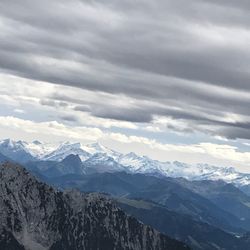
x=70, y=165
x=8, y=241
x=36, y=217
x=73, y=164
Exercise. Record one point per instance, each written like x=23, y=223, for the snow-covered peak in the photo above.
x=54, y=151
x=11, y=146
x=140, y=164
x=102, y=162
x=36, y=149
x=7, y=142
x=131, y=160
x=15, y=150
x=14, y=145
x=99, y=148
x=65, y=149
x=39, y=150
x=100, y=157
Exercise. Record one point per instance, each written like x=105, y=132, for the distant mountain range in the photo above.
x=98, y=158
x=206, y=207
x=34, y=216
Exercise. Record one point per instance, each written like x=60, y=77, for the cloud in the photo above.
x=123, y=114
x=132, y=62
x=48, y=102
x=69, y=118
x=52, y=103
x=51, y=129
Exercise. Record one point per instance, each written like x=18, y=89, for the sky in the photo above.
x=168, y=79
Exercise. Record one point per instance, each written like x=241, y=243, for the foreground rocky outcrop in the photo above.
x=34, y=216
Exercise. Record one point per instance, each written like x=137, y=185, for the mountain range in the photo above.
x=206, y=207
x=98, y=158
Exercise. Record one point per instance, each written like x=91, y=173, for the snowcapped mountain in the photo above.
x=101, y=159
x=15, y=150
x=66, y=149
x=98, y=148
x=23, y=151
x=84, y=151
x=176, y=169
x=101, y=162
x=141, y=164
x=227, y=174
x=39, y=149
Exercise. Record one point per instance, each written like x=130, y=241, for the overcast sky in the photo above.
x=166, y=78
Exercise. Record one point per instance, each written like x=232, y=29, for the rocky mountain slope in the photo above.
x=197, y=234
x=165, y=191
x=34, y=216
x=184, y=210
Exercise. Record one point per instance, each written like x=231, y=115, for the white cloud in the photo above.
x=51, y=129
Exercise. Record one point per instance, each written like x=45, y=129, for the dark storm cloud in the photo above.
x=82, y=108
x=69, y=118
x=188, y=60
x=112, y=112
x=123, y=114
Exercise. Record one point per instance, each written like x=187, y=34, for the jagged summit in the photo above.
x=15, y=150
x=35, y=216
x=99, y=148
x=8, y=143
x=65, y=149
